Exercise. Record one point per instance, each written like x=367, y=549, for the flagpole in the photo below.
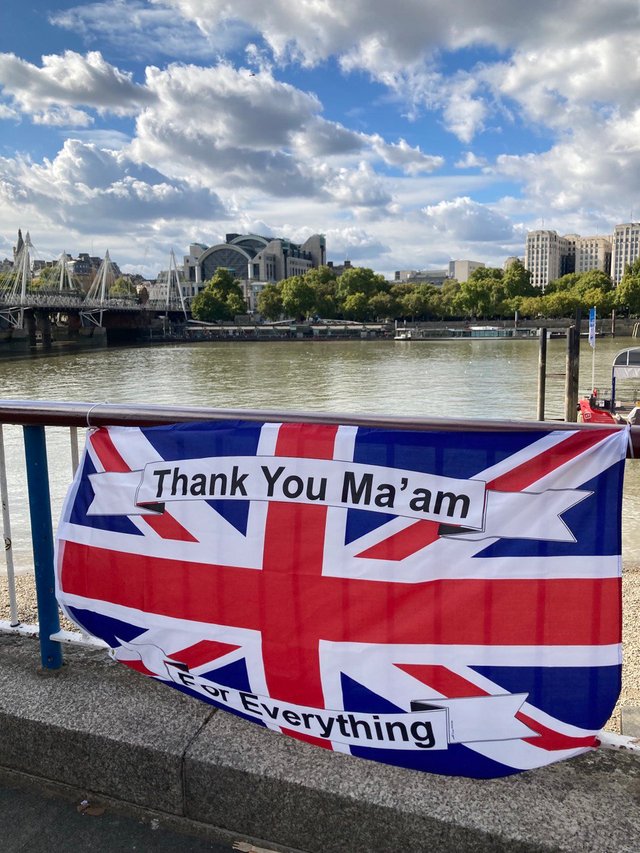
x=592, y=341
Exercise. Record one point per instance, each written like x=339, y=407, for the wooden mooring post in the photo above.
x=572, y=373
x=542, y=374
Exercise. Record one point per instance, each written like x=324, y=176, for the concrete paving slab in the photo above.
x=96, y=725
x=630, y=721
x=240, y=775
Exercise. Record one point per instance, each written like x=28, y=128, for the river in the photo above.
x=454, y=379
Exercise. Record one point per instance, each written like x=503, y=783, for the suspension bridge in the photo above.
x=28, y=304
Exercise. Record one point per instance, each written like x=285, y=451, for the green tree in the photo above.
x=298, y=297
x=476, y=297
x=356, y=307
x=122, y=287
x=48, y=277
x=530, y=306
x=221, y=298
x=592, y=280
x=270, y=302
x=564, y=283
x=627, y=294
x=517, y=281
x=323, y=281
x=445, y=302
x=560, y=304
x=418, y=302
x=360, y=280
x=209, y=307
x=383, y=306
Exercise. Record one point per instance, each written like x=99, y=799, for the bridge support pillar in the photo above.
x=30, y=326
x=44, y=325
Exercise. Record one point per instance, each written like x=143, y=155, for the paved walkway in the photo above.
x=38, y=822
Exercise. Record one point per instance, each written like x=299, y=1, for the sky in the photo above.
x=410, y=133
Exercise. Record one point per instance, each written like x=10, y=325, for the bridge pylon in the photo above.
x=13, y=296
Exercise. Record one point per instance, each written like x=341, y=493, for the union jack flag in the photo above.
x=359, y=611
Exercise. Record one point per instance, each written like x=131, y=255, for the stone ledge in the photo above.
x=101, y=727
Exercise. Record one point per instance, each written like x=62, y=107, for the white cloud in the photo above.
x=358, y=188
x=225, y=125
x=596, y=169
x=52, y=93
x=410, y=159
x=471, y=161
x=95, y=191
x=148, y=29
x=556, y=56
x=467, y=220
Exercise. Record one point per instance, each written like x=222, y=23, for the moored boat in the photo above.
x=604, y=406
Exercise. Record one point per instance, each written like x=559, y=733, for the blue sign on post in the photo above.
x=592, y=327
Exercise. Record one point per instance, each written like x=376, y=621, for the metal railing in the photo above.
x=35, y=415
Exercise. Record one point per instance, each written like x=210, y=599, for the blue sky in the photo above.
x=409, y=133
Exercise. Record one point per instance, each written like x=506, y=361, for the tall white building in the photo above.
x=593, y=253
x=547, y=256
x=625, y=248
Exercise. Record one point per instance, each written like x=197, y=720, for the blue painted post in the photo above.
x=42, y=537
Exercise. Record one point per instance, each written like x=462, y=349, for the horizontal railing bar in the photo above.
x=62, y=413
x=75, y=638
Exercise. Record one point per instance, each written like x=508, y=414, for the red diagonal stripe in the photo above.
x=138, y=666
x=404, y=543
x=165, y=525
x=535, y=469
x=417, y=536
x=206, y=651
x=107, y=452
x=168, y=527
x=454, y=686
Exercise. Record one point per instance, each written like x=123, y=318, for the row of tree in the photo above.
x=362, y=295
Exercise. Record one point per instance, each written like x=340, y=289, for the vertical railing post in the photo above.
x=42, y=538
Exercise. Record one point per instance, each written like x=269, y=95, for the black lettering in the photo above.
x=186, y=678
x=291, y=717
x=198, y=485
x=355, y=723
x=250, y=702
x=237, y=482
x=214, y=479
x=386, y=495
x=217, y=693
x=352, y=493
x=271, y=712
x=425, y=741
x=342, y=724
x=421, y=500
x=161, y=475
x=292, y=487
x=325, y=728
x=378, y=727
x=453, y=500
x=271, y=478
x=179, y=479
x=322, y=489
x=397, y=725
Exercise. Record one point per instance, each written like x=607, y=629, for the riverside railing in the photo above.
x=35, y=415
